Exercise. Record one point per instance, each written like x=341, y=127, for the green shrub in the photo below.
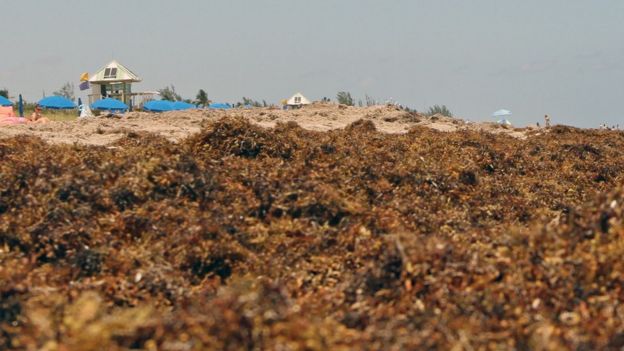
x=345, y=98
x=439, y=110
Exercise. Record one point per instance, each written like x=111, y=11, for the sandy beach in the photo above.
x=178, y=125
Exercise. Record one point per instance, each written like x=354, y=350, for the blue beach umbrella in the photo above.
x=56, y=103
x=220, y=106
x=109, y=104
x=181, y=105
x=5, y=102
x=20, y=106
x=159, y=106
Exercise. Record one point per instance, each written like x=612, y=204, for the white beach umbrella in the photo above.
x=501, y=113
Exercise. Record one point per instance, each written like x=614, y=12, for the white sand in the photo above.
x=180, y=124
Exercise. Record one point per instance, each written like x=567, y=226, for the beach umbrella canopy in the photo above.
x=218, y=105
x=501, y=113
x=5, y=102
x=56, y=103
x=158, y=106
x=181, y=105
x=109, y=104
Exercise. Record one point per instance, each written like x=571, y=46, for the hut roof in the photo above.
x=114, y=72
x=298, y=99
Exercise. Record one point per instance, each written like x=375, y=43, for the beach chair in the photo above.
x=7, y=111
x=7, y=117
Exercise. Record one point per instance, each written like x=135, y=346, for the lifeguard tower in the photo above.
x=115, y=81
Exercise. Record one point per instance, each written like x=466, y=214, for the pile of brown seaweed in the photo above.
x=248, y=238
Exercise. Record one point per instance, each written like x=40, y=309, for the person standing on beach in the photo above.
x=547, y=121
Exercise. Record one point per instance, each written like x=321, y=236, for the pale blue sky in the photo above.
x=561, y=57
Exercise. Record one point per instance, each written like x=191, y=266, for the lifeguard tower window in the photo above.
x=297, y=100
x=110, y=73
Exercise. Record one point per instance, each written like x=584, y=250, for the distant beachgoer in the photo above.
x=36, y=116
x=538, y=125
x=547, y=121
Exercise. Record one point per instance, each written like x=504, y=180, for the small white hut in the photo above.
x=115, y=80
x=297, y=101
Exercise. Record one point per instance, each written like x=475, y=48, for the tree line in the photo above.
x=345, y=98
x=202, y=100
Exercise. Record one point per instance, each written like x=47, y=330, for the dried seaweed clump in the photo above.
x=242, y=237
x=239, y=137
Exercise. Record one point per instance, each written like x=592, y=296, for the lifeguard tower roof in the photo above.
x=114, y=72
x=298, y=100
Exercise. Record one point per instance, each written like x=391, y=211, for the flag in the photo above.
x=84, y=85
x=84, y=77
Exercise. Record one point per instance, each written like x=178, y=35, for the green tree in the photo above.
x=66, y=91
x=249, y=101
x=439, y=110
x=4, y=92
x=169, y=93
x=344, y=98
x=202, y=98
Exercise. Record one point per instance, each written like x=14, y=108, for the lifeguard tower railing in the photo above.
x=136, y=100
